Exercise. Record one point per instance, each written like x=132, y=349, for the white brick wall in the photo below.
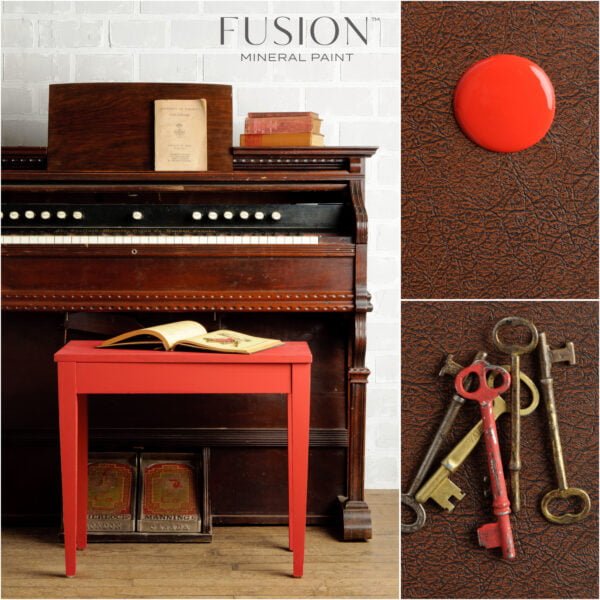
x=146, y=40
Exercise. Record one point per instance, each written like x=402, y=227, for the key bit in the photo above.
x=452, y=368
x=445, y=490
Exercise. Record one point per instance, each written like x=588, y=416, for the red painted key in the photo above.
x=498, y=534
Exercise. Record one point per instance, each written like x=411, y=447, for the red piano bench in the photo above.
x=84, y=369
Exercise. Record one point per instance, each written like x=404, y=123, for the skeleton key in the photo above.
x=515, y=351
x=408, y=499
x=439, y=487
x=498, y=534
x=547, y=357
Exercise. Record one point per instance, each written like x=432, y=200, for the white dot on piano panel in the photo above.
x=244, y=214
x=29, y=214
x=61, y=214
x=13, y=214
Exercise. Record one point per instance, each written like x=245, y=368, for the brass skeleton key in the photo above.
x=439, y=487
x=547, y=357
x=515, y=351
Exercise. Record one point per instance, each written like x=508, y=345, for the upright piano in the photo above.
x=276, y=247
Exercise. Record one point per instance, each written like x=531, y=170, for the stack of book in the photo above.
x=282, y=129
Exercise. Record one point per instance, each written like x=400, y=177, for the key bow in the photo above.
x=484, y=392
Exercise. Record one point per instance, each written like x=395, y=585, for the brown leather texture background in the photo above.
x=444, y=560
x=481, y=224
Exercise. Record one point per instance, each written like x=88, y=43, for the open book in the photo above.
x=189, y=334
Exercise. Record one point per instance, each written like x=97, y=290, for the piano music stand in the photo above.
x=84, y=369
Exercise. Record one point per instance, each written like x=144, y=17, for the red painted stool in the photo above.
x=84, y=369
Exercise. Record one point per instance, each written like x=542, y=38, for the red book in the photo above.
x=305, y=124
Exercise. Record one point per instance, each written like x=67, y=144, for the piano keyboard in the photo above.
x=89, y=240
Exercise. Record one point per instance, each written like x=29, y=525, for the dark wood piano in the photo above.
x=276, y=247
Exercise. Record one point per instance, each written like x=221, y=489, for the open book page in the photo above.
x=226, y=340
x=169, y=334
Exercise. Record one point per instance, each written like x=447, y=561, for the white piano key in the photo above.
x=237, y=239
x=263, y=239
x=212, y=239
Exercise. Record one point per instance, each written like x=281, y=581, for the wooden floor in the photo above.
x=241, y=562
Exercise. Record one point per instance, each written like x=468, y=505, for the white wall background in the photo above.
x=139, y=40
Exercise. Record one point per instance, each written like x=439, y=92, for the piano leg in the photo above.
x=356, y=516
x=69, y=447
x=356, y=520
x=82, y=472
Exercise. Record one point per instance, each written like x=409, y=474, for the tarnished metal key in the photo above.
x=498, y=534
x=547, y=357
x=515, y=351
x=439, y=487
x=408, y=499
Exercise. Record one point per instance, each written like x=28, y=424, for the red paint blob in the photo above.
x=505, y=103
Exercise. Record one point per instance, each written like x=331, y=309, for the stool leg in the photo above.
x=82, y=475
x=290, y=481
x=300, y=409
x=68, y=414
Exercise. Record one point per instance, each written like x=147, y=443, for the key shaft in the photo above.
x=452, y=411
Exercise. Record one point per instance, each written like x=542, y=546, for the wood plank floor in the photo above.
x=241, y=562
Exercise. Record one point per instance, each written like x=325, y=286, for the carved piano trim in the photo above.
x=327, y=158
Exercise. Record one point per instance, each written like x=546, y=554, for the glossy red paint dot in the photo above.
x=505, y=103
